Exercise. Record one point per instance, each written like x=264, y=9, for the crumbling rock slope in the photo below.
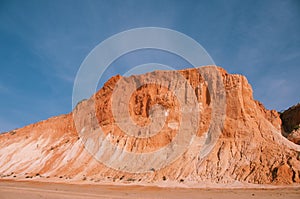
x=250, y=148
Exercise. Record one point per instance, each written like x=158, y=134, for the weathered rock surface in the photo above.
x=250, y=148
x=294, y=136
x=291, y=118
x=291, y=123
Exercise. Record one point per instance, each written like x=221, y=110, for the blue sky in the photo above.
x=43, y=43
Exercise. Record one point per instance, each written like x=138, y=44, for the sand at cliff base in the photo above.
x=32, y=190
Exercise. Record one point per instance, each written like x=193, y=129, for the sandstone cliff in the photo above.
x=249, y=148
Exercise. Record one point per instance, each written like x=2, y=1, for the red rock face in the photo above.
x=250, y=148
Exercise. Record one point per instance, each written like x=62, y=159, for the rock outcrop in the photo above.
x=291, y=123
x=72, y=147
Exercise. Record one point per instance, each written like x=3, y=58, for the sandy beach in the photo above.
x=32, y=190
